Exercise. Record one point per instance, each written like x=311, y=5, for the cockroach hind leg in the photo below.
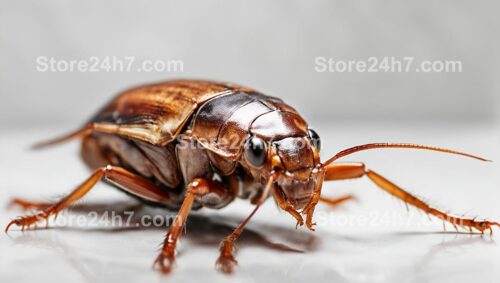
x=27, y=204
x=137, y=185
x=26, y=221
x=12, y=222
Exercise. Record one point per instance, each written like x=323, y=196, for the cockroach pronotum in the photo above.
x=188, y=144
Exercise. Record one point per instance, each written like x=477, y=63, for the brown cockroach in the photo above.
x=188, y=144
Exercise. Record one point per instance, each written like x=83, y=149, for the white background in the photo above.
x=270, y=46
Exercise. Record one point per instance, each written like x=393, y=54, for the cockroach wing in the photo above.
x=156, y=113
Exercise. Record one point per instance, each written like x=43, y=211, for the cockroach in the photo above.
x=188, y=144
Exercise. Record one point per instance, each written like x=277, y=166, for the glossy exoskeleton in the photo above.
x=188, y=144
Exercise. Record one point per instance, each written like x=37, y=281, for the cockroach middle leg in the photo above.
x=198, y=188
x=394, y=190
x=130, y=182
x=226, y=260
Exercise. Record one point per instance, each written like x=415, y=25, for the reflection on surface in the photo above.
x=266, y=250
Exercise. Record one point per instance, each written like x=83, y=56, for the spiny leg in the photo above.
x=226, y=260
x=406, y=197
x=337, y=174
x=28, y=204
x=398, y=192
x=198, y=188
x=126, y=180
x=92, y=153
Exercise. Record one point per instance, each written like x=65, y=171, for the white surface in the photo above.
x=392, y=246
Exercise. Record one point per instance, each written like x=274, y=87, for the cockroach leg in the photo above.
x=406, y=197
x=336, y=171
x=198, y=188
x=27, y=204
x=226, y=261
x=396, y=191
x=344, y=171
x=336, y=201
x=286, y=206
x=130, y=182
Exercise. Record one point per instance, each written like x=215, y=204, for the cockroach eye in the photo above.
x=315, y=139
x=255, y=151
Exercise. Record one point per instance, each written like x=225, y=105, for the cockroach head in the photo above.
x=293, y=161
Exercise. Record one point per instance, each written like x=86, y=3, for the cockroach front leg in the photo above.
x=342, y=171
x=197, y=189
x=130, y=182
x=226, y=261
